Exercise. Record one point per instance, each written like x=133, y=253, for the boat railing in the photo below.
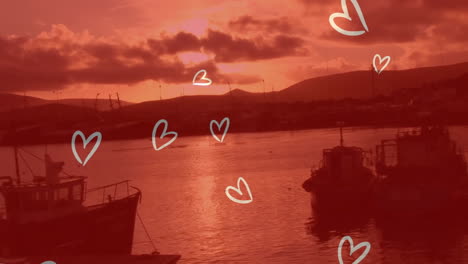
x=385, y=154
x=108, y=193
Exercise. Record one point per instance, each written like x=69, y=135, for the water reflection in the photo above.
x=434, y=238
x=399, y=238
x=328, y=223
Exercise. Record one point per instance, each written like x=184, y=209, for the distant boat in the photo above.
x=341, y=179
x=420, y=171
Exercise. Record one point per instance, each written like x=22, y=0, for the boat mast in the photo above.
x=372, y=81
x=18, y=176
x=341, y=132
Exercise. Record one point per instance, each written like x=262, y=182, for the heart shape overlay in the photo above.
x=346, y=15
x=85, y=143
x=219, y=125
x=353, y=249
x=238, y=190
x=163, y=134
x=387, y=58
x=203, y=78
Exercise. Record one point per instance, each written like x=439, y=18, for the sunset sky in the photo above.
x=71, y=49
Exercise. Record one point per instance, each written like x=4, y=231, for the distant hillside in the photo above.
x=339, y=86
x=359, y=84
x=12, y=101
x=102, y=104
x=437, y=95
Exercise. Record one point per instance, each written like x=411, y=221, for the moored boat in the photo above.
x=57, y=217
x=49, y=217
x=342, y=178
x=420, y=171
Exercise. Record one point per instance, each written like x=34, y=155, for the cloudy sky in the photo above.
x=70, y=49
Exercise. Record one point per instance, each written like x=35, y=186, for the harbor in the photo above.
x=187, y=213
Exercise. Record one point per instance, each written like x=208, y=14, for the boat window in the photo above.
x=77, y=192
x=31, y=201
x=61, y=194
x=40, y=195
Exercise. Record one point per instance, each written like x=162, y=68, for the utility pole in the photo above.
x=372, y=81
x=230, y=90
x=118, y=101
x=160, y=93
x=24, y=100
x=264, y=92
x=273, y=93
x=96, y=102
x=111, y=103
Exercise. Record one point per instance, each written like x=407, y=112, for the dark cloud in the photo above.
x=23, y=69
x=181, y=42
x=229, y=49
x=396, y=21
x=249, y=23
x=52, y=62
x=38, y=68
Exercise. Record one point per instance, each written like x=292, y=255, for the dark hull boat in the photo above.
x=342, y=180
x=420, y=172
x=55, y=217
x=104, y=229
x=50, y=220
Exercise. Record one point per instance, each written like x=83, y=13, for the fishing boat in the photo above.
x=422, y=170
x=54, y=216
x=344, y=177
x=49, y=217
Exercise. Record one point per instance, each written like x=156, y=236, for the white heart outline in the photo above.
x=387, y=58
x=85, y=143
x=202, y=78
x=164, y=133
x=346, y=15
x=239, y=192
x=353, y=249
x=225, y=120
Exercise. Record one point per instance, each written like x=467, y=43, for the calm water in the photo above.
x=186, y=211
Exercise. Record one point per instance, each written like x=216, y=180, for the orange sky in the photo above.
x=69, y=49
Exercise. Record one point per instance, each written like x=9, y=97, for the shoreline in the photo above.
x=67, y=139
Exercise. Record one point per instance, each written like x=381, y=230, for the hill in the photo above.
x=10, y=102
x=358, y=84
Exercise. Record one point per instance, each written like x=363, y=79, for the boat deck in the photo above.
x=132, y=259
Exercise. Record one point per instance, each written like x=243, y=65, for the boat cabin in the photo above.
x=342, y=161
x=428, y=147
x=39, y=201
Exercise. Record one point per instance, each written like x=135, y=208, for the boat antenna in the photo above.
x=341, y=132
x=15, y=149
